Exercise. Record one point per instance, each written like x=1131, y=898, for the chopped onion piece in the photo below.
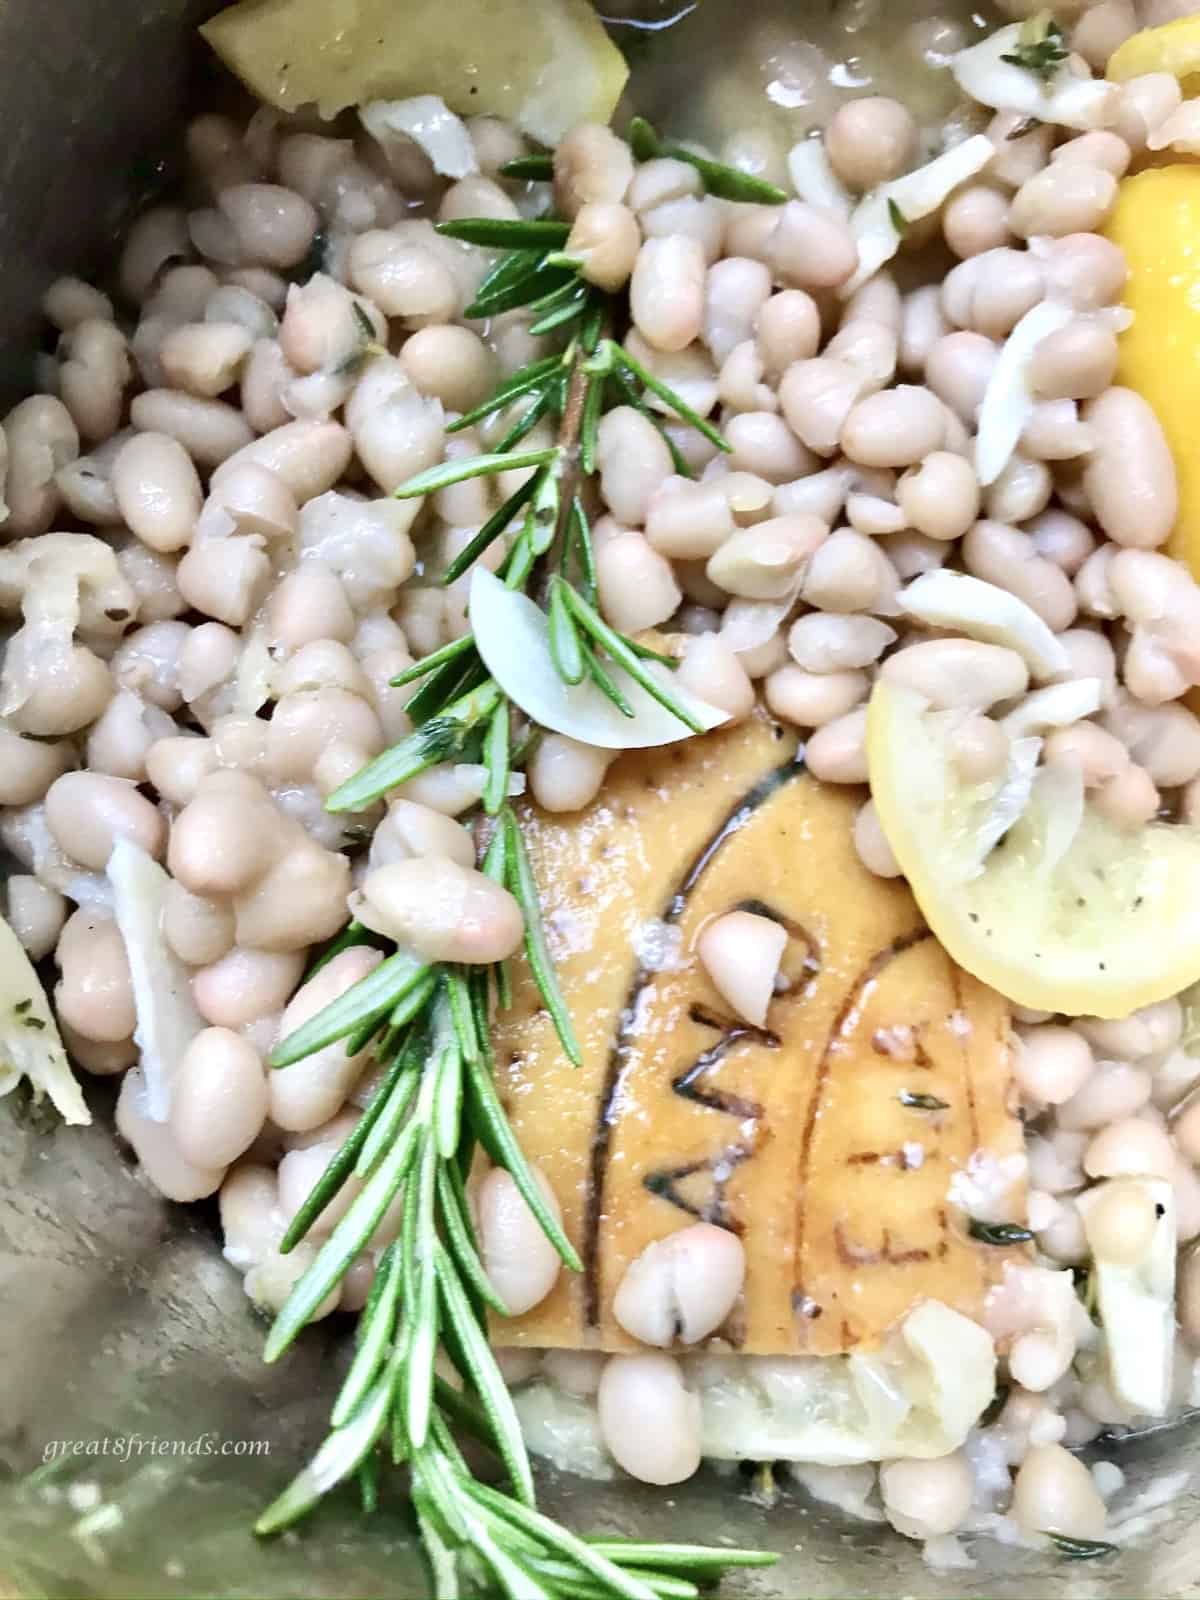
x=1008, y=401
x=982, y=610
x=1068, y=100
x=513, y=638
x=814, y=179
x=1009, y=802
x=746, y=624
x=918, y=194
x=167, y=1021
x=1059, y=705
x=30, y=1046
x=1136, y=1301
x=1056, y=805
x=427, y=121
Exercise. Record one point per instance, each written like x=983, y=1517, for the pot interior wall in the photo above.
x=125, y=1341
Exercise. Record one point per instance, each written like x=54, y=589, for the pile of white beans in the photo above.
x=212, y=590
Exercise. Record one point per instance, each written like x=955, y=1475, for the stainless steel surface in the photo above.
x=119, y=1321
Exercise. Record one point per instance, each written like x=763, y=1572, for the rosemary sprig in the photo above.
x=1081, y=1549
x=999, y=1233
x=726, y=183
x=427, y=1025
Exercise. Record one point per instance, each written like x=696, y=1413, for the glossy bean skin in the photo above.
x=1130, y=477
x=218, y=1099
x=520, y=1261
x=648, y=1419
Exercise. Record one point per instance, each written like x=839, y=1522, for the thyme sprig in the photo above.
x=1042, y=49
x=427, y=1024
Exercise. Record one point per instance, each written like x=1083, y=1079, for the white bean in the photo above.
x=737, y=291
x=649, y=1420
x=849, y=572
x=809, y=248
x=688, y=521
x=42, y=439
x=762, y=443
x=272, y=225
x=442, y=911
x=308, y=1094
x=636, y=586
x=199, y=930
x=1129, y=1147
x=519, y=1259
x=211, y=431
x=29, y=766
x=712, y=671
x=825, y=642
x=565, y=775
x=633, y=461
x=95, y=991
x=156, y=1148
x=681, y=1287
x=87, y=812
x=926, y=1499
x=788, y=330
x=298, y=901
x=1065, y=197
x=870, y=141
x=1053, y=1492
x=36, y=914
x=245, y=985
x=218, y=1099
x=817, y=397
x=837, y=752
x=811, y=699
x=1051, y=1063
x=895, y=428
x=959, y=672
x=205, y=358
x=763, y=562
x=666, y=293
x=590, y=164
x=158, y=491
x=1130, y=478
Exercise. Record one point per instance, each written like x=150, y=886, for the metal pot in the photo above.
x=139, y=1431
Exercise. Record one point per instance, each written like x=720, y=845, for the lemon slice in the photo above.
x=544, y=64
x=1070, y=913
x=1174, y=48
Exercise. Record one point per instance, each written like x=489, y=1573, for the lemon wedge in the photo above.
x=1174, y=48
x=543, y=64
x=1070, y=913
x=1157, y=223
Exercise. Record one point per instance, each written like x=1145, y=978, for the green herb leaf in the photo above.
x=496, y=760
x=371, y=997
x=669, y=397
x=437, y=741
x=523, y=886
x=998, y=1233
x=565, y=651
x=721, y=181
x=1081, y=1549
x=529, y=378
x=604, y=681
x=536, y=169
x=336, y=1460
x=499, y=233
x=434, y=660
x=484, y=466
x=897, y=219
x=626, y=656
x=922, y=1102
x=375, y=1333
x=1043, y=52
x=470, y=554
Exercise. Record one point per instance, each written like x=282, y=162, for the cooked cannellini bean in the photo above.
x=849, y=572
x=565, y=775
x=809, y=248
x=682, y=1287
x=1053, y=1492
x=211, y=431
x=666, y=292
x=990, y=293
x=837, y=752
x=648, y=1419
x=737, y=291
x=177, y=765
x=976, y=219
x=1052, y=1063
x=940, y=498
x=1132, y=1147
x=1130, y=477
x=157, y=1149
x=575, y=1372
x=95, y=992
x=36, y=914
x=688, y=521
x=979, y=749
x=925, y=1499
x=219, y=842
x=158, y=491
x=1001, y=555
x=218, y=1099
x=94, y=369
x=298, y=901
x=1076, y=363
x=272, y=225
x=633, y=461
x=817, y=397
x=1130, y=799
x=741, y=952
x=636, y=586
x=1064, y=198
x=87, y=812
x=822, y=642
x=712, y=672
x=811, y=699
x=1120, y=1222
x=42, y=439
x=870, y=141
x=70, y=301
x=1115, y=1089
x=1150, y=1031
x=590, y=165
x=306, y=1095
x=29, y=766
x=788, y=330
x=894, y=428
x=763, y=444
x=204, y=358
x=959, y=672
x=198, y=929
x=245, y=985
x=441, y=911
x=519, y=1259
x=765, y=561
